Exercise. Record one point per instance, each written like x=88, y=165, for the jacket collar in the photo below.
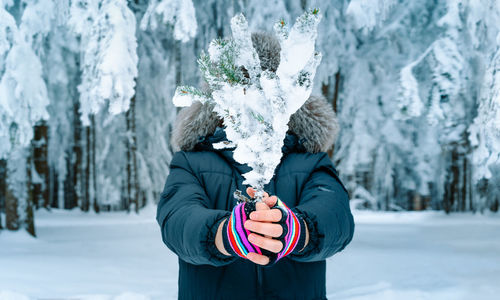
x=313, y=128
x=292, y=143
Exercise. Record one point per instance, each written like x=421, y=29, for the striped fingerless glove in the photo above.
x=235, y=236
x=294, y=232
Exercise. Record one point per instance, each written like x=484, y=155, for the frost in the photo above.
x=485, y=131
x=257, y=106
x=409, y=100
x=23, y=93
x=246, y=55
x=109, y=58
x=179, y=13
x=36, y=21
x=367, y=14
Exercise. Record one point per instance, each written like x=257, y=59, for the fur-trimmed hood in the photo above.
x=315, y=122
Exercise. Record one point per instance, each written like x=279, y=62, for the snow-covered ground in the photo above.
x=121, y=257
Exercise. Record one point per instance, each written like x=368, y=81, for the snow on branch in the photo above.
x=36, y=21
x=256, y=105
x=179, y=13
x=367, y=14
x=409, y=103
x=109, y=57
x=23, y=93
x=447, y=66
x=446, y=63
x=485, y=131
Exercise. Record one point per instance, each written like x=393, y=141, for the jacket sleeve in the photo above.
x=324, y=206
x=188, y=225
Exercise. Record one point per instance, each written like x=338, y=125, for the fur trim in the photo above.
x=268, y=48
x=315, y=121
x=191, y=123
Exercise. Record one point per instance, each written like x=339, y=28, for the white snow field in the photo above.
x=426, y=255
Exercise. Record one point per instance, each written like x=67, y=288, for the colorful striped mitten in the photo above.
x=294, y=232
x=235, y=236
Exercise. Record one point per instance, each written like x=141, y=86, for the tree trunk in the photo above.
x=40, y=160
x=3, y=190
x=18, y=193
x=86, y=195
x=29, y=221
x=11, y=216
x=131, y=145
x=72, y=183
x=95, y=200
x=54, y=188
x=332, y=95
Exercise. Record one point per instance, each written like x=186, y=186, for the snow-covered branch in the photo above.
x=108, y=51
x=179, y=13
x=23, y=93
x=256, y=105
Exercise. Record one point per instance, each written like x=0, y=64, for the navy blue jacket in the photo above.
x=198, y=195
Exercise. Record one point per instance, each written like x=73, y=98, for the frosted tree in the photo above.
x=64, y=126
x=155, y=83
x=368, y=14
x=23, y=102
x=108, y=54
x=412, y=82
x=446, y=63
x=485, y=131
x=178, y=13
x=108, y=64
x=256, y=105
x=23, y=94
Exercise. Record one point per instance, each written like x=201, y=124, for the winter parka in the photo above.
x=198, y=195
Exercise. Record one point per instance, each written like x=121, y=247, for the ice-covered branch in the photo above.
x=179, y=13
x=409, y=103
x=23, y=93
x=256, y=105
x=367, y=14
x=109, y=58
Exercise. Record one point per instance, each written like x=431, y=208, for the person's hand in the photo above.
x=275, y=228
x=261, y=259
x=233, y=236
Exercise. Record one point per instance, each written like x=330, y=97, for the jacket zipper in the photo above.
x=259, y=282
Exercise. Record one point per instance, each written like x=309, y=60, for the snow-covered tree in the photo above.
x=485, y=131
x=178, y=13
x=108, y=54
x=256, y=104
x=413, y=83
x=23, y=102
x=23, y=94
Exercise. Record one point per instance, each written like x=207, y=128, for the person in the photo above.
x=198, y=203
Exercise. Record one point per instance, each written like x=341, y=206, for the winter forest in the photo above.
x=86, y=111
x=86, y=89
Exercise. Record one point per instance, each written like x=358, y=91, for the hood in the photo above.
x=314, y=126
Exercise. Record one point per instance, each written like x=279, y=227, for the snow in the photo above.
x=409, y=255
x=181, y=14
x=256, y=108
x=89, y=256
x=23, y=93
x=409, y=99
x=109, y=55
x=448, y=50
x=247, y=56
x=367, y=14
